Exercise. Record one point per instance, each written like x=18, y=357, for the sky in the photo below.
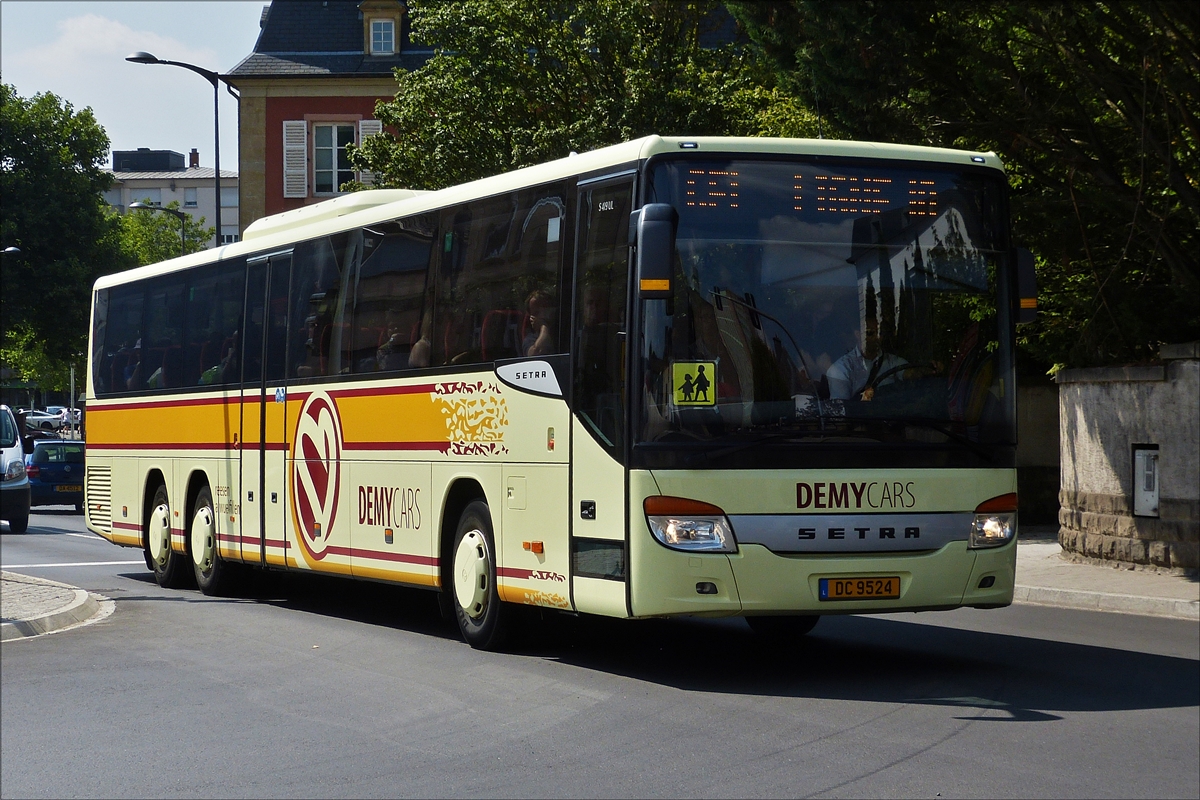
x=77, y=51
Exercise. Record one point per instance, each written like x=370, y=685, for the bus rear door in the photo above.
x=264, y=411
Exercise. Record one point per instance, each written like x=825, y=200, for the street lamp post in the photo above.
x=140, y=206
x=214, y=78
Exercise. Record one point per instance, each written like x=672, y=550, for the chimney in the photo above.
x=194, y=158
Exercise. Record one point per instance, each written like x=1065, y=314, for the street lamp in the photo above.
x=141, y=57
x=182, y=221
x=10, y=251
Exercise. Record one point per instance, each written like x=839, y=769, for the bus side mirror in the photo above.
x=1026, y=286
x=652, y=228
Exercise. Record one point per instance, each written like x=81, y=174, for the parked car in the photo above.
x=14, y=488
x=55, y=470
x=43, y=420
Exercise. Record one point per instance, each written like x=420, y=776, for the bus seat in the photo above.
x=498, y=336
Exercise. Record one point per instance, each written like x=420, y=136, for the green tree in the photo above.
x=519, y=82
x=51, y=182
x=1094, y=107
x=151, y=236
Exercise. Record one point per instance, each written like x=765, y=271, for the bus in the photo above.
x=769, y=378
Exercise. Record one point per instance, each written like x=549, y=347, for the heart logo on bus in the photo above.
x=316, y=471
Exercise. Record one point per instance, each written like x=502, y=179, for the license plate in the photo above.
x=65, y=488
x=885, y=588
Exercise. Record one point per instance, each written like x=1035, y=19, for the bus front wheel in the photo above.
x=477, y=607
x=170, y=569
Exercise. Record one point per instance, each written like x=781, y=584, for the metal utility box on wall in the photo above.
x=1145, y=480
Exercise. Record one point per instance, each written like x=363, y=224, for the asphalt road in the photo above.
x=304, y=686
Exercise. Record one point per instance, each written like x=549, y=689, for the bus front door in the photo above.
x=598, y=505
x=264, y=440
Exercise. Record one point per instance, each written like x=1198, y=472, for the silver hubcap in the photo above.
x=204, y=538
x=471, y=574
x=160, y=534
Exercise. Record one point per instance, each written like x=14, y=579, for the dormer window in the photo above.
x=383, y=37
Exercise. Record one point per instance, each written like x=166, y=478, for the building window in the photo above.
x=229, y=196
x=383, y=37
x=230, y=238
x=189, y=197
x=149, y=196
x=332, y=163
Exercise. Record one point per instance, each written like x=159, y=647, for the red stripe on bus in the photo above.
x=378, y=555
x=513, y=572
x=423, y=388
x=128, y=526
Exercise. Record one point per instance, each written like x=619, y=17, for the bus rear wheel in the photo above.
x=477, y=608
x=213, y=574
x=170, y=569
x=783, y=629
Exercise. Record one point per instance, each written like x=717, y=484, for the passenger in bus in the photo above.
x=541, y=328
x=857, y=374
x=418, y=357
x=134, y=379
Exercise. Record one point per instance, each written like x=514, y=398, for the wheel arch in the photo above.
x=461, y=493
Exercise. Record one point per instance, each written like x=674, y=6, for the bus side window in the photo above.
x=498, y=282
x=601, y=283
x=318, y=309
x=390, y=301
x=213, y=309
x=122, y=336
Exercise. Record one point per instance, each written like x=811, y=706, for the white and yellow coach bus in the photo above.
x=707, y=376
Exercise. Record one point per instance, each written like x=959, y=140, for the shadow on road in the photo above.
x=991, y=676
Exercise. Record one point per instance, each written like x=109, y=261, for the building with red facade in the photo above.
x=309, y=89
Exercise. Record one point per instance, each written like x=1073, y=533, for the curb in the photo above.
x=1105, y=601
x=79, y=610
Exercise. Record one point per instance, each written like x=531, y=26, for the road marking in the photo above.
x=74, y=564
x=92, y=536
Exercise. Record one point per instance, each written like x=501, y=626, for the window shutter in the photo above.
x=295, y=158
x=367, y=127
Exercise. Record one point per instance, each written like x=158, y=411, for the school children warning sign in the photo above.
x=694, y=383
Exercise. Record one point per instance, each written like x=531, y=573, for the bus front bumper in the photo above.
x=756, y=581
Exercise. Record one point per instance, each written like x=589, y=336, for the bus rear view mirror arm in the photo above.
x=1026, y=286
x=652, y=227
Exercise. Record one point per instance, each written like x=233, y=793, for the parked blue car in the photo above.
x=55, y=470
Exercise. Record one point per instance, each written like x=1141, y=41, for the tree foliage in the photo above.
x=151, y=236
x=519, y=82
x=51, y=182
x=1093, y=107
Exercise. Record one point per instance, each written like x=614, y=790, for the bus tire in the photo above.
x=170, y=568
x=783, y=629
x=19, y=523
x=213, y=574
x=477, y=608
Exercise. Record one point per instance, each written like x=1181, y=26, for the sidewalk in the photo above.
x=32, y=606
x=1045, y=578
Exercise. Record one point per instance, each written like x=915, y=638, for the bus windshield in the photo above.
x=825, y=301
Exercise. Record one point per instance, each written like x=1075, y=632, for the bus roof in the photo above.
x=278, y=231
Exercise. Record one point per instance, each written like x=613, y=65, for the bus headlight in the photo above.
x=683, y=524
x=995, y=522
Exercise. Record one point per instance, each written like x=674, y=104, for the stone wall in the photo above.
x=1103, y=413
